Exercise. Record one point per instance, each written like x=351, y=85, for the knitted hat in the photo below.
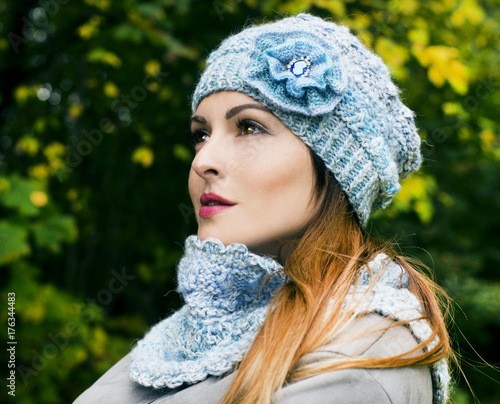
x=332, y=92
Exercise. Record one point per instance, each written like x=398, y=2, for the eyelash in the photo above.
x=193, y=136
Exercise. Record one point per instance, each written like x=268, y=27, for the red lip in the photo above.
x=211, y=197
x=207, y=211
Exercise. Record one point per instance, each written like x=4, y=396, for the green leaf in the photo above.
x=182, y=153
x=103, y=56
x=13, y=242
x=53, y=231
x=17, y=196
x=151, y=11
x=127, y=32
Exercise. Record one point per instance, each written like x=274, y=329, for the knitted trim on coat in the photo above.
x=390, y=297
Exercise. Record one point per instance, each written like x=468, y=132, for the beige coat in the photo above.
x=407, y=385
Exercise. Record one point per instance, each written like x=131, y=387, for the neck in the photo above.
x=279, y=250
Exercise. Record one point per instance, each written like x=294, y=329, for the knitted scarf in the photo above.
x=227, y=291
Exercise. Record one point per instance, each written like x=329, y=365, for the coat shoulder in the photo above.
x=370, y=335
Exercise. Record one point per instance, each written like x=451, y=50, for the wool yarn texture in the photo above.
x=227, y=292
x=332, y=92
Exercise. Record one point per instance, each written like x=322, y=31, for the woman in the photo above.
x=299, y=135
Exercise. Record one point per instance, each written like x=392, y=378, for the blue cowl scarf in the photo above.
x=227, y=291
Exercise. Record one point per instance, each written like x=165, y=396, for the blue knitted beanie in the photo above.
x=332, y=92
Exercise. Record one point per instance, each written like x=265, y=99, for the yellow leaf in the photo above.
x=4, y=44
x=464, y=133
x=113, y=60
x=74, y=111
x=34, y=313
x=100, y=4
x=29, y=145
x=487, y=139
x=54, y=150
x=111, y=90
x=458, y=77
x=393, y=54
x=91, y=28
x=143, y=155
x=435, y=55
x=23, y=93
x=406, y=7
x=424, y=210
x=294, y=6
x=72, y=194
x=54, y=153
x=416, y=194
x=451, y=108
x=86, y=31
x=336, y=7
x=443, y=65
x=468, y=10
x=4, y=185
x=436, y=75
x=419, y=36
x=40, y=171
x=104, y=56
x=39, y=198
x=362, y=21
x=98, y=342
x=449, y=4
x=152, y=67
x=441, y=6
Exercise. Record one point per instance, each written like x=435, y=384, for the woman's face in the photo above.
x=263, y=172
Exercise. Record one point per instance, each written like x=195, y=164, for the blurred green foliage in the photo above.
x=94, y=100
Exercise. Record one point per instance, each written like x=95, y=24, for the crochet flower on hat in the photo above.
x=296, y=72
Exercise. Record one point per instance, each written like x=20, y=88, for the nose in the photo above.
x=210, y=161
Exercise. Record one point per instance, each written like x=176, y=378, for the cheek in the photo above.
x=284, y=180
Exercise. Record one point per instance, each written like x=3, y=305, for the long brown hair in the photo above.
x=307, y=311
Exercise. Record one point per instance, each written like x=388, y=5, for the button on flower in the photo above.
x=296, y=72
x=300, y=67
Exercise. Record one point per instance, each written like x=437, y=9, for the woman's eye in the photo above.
x=246, y=127
x=198, y=136
x=250, y=127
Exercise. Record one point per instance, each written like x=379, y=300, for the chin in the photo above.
x=205, y=233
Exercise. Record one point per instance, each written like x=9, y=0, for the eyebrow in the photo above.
x=233, y=111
